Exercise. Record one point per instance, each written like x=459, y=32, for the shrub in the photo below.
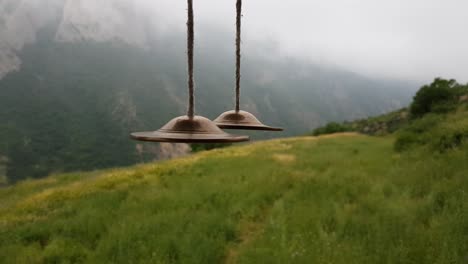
x=416, y=133
x=332, y=128
x=438, y=96
x=451, y=141
x=438, y=132
x=444, y=107
x=198, y=147
x=406, y=140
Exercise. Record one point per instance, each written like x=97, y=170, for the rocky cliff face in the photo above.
x=19, y=24
x=78, y=20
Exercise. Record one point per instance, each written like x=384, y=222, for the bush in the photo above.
x=406, y=140
x=198, y=147
x=332, y=128
x=438, y=132
x=444, y=107
x=451, y=141
x=440, y=96
x=416, y=133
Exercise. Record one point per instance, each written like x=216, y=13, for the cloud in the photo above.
x=406, y=39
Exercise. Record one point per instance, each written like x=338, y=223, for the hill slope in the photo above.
x=344, y=198
x=77, y=76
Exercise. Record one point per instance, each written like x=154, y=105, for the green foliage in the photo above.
x=407, y=140
x=436, y=132
x=58, y=116
x=196, y=147
x=332, y=128
x=440, y=96
x=342, y=199
x=377, y=125
x=382, y=124
x=415, y=133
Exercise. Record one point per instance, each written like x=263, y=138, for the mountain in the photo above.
x=78, y=76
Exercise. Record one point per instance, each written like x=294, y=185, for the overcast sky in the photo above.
x=406, y=39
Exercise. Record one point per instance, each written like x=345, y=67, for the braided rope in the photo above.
x=190, y=44
x=238, y=53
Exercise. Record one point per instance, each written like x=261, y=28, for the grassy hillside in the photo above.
x=344, y=198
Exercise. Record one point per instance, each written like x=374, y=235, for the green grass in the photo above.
x=336, y=199
x=437, y=132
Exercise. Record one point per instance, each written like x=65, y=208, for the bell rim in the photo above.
x=248, y=127
x=242, y=125
x=174, y=134
x=156, y=136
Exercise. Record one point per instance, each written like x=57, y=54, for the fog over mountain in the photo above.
x=413, y=40
x=77, y=76
x=83, y=20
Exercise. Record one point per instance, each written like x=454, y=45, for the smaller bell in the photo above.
x=184, y=129
x=242, y=120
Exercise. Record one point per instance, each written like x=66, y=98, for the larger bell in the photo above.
x=184, y=129
x=242, y=120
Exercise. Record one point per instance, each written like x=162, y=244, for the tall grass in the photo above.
x=336, y=199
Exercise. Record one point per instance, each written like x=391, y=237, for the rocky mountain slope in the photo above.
x=78, y=21
x=77, y=76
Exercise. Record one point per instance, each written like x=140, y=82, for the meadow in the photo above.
x=343, y=198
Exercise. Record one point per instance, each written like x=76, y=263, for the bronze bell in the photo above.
x=242, y=120
x=237, y=119
x=184, y=129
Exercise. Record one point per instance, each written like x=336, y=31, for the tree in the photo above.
x=438, y=95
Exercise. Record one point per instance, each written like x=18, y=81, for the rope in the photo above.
x=238, y=53
x=190, y=41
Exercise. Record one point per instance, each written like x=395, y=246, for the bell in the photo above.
x=242, y=120
x=189, y=128
x=184, y=129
